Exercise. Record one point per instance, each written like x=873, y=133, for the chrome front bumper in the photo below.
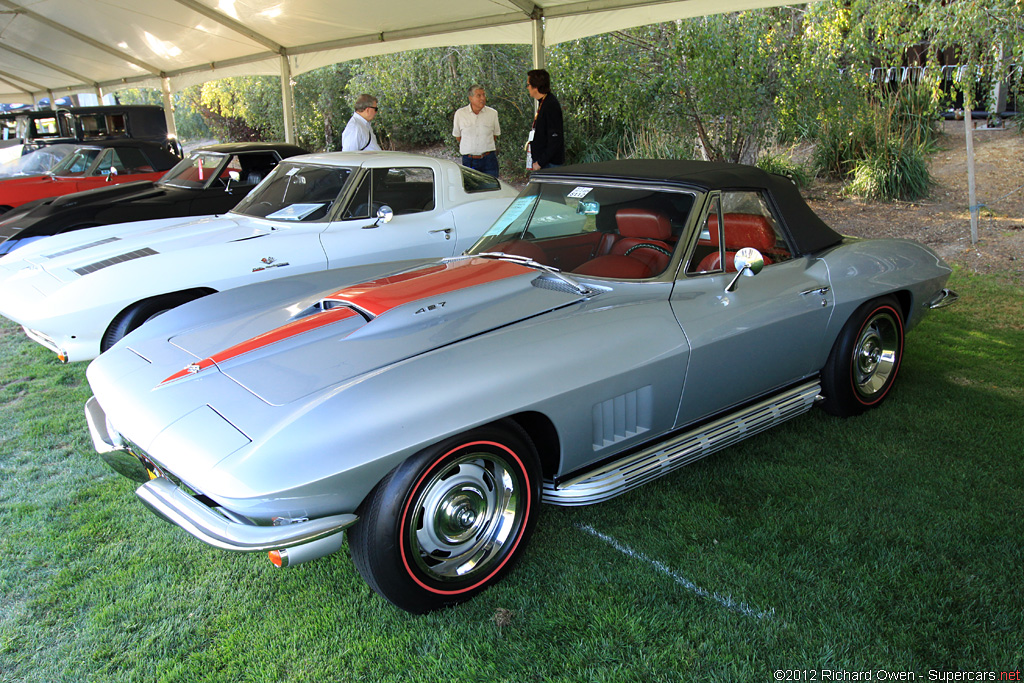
x=171, y=502
x=166, y=499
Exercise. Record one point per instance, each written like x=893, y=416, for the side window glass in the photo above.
x=749, y=222
x=359, y=207
x=475, y=181
x=405, y=190
x=708, y=253
x=234, y=166
x=253, y=168
x=105, y=162
x=130, y=160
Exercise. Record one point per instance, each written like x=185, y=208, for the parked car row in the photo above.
x=210, y=180
x=402, y=349
x=22, y=132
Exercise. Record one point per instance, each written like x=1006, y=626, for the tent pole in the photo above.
x=538, y=43
x=172, y=128
x=287, y=100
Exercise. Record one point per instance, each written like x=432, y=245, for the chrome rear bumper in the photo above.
x=944, y=298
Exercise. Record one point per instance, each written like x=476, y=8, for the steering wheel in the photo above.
x=655, y=247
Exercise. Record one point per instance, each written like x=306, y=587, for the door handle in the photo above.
x=447, y=232
x=820, y=291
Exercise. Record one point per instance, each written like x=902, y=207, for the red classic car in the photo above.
x=88, y=167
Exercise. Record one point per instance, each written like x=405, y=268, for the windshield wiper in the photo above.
x=583, y=290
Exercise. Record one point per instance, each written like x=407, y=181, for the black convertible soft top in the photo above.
x=806, y=231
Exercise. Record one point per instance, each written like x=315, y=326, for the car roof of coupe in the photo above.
x=239, y=147
x=367, y=158
x=807, y=231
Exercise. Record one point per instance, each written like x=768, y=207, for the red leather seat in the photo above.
x=642, y=249
x=741, y=230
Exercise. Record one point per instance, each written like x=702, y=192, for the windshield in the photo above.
x=296, y=192
x=579, y=227
x=36, y=163
x=77, y=163
x=197, y=171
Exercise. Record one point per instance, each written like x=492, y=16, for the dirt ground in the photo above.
x=943, y=221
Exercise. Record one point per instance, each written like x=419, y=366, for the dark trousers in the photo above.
x=488, y=164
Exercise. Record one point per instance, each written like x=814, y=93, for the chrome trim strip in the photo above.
x=97, y=421
x=944, y=298
x=658, y=460
x=164, y=498
x=40, y=338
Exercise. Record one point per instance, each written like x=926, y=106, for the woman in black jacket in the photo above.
x=546, y=146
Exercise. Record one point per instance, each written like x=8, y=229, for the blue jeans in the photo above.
x=488, y=164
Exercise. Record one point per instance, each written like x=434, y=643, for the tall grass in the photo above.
x=783, y=165
x=884, y=150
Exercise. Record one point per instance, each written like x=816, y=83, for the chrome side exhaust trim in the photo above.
x=658, y=460
x=311, y=551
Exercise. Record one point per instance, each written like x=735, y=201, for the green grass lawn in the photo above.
x=892, y=541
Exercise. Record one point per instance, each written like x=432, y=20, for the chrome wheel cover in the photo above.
x=464, y=517
x=876, y=355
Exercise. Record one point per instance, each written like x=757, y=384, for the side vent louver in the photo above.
x=622, y=417
x=114, y=260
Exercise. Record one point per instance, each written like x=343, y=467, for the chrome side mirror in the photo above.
x=749, y=262
x=384, y=215
x=233, y=177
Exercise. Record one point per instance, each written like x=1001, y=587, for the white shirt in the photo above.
x=358, y=135
x=476, y=130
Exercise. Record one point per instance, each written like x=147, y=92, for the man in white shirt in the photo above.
x=476, y=128
x=358, y=134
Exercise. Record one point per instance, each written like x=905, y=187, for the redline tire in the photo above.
x=865, y=360
x=450, y=521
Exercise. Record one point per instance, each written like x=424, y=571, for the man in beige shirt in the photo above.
x=476, y=128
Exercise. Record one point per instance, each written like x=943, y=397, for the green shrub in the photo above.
x=883, y=148
x=896, y=170
x=785, y=166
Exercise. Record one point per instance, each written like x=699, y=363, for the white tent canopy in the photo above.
x=68, y=46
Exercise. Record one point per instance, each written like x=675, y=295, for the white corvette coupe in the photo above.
x=79, y=293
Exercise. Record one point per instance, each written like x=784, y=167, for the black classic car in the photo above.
x=209, y=180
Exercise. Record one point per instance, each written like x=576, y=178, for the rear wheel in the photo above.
x=143, y=311
x=865, y=360
x=450, y=521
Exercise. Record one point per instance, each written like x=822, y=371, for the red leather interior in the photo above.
x=642, y=249
x=741, y=230
x=522, y=248
x=613, y=265
x=644, y=224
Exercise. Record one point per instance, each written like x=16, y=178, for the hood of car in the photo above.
x=85, y=252
x=19, y=219
x=139, y=189
x=359, y=329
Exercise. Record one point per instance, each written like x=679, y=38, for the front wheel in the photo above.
x=143, y=311
x=863, y=364
x=450, y=521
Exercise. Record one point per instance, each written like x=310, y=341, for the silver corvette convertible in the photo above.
x=619, y=320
